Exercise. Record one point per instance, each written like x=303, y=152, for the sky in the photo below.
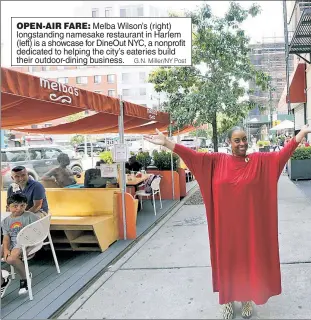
x=268, y=24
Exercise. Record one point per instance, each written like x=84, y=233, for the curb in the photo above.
x=67, y=310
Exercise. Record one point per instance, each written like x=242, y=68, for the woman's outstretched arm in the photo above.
x=193, y=160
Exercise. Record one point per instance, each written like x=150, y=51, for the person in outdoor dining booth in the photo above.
x=62, y=175
x=133, y=165
x=32, y=189
x=243, y=227
x=11, y=252
x=93, y=178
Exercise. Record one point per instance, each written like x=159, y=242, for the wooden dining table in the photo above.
x=133, y=181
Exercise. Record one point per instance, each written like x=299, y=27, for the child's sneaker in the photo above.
x=5, y=285
x=23, y=286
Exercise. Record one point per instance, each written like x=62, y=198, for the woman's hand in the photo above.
x=306, y=129
x=160, y=140
x=303, y=131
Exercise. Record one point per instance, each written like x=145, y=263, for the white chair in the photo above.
x=34, y=235
x=155, y=188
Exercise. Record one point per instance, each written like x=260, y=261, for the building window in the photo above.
x=140, y=12
x=126, y=77
x=110, y=78
x=97, y=79
x=62, y=80
x=111, y=93
x=60, y=67
x=81, y=80
x=34, y=126
x=98, y=91
x=108, y=12
x=142, y=77
x=31, y=69
x=126, y=92
x=45, y=68
x=95, y=13
x=142, y=91
x=46, y=125
x=122, y=13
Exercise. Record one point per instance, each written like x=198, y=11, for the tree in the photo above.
x=212, y=88
x=77, y=139
x=200, y=133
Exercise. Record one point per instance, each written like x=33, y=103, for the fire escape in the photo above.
x=297, y=34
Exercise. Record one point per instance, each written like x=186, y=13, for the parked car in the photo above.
x=70, y=150
x=97, y=148
x=37, y=159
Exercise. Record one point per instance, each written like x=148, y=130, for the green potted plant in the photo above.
x=162, y=162
x=260, y=145
x=106, y=156
x=144, y=158
x=299, y=165
x=264, y=146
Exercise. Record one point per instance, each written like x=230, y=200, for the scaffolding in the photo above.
x=268, y=56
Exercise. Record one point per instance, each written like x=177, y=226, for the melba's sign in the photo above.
x=61, y=88
x=152, y=113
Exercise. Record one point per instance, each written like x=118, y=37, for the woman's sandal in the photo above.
x=228, y=310
x=247, y=309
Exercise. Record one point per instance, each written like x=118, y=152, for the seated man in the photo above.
x=61, y=175
x=32, y=189
x=133, y=165
x=11, y=226
x=93, y=178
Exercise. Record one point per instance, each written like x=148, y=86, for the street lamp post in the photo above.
x=157, y=98
x=270, y=107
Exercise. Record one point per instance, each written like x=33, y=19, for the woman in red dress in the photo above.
x=240, y=196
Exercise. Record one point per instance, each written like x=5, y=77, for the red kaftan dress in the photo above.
x=241, y=207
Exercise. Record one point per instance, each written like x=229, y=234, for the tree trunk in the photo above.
x=215, y=138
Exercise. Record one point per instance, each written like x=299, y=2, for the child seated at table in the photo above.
x=11, y=226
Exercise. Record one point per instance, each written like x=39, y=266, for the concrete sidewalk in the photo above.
x=167, y=275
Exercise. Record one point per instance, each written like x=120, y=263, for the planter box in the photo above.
x=131, y=205
x=182, y=182
x=166, y=184
x=264, y=149
x=299, y=169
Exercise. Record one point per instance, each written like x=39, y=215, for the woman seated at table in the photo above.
x=93, y=178
x=133, y=165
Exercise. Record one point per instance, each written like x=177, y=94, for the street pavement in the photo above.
x=167, y=274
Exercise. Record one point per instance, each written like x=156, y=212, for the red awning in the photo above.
x=297, y=88
x=27, y=100
x=95, y=124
